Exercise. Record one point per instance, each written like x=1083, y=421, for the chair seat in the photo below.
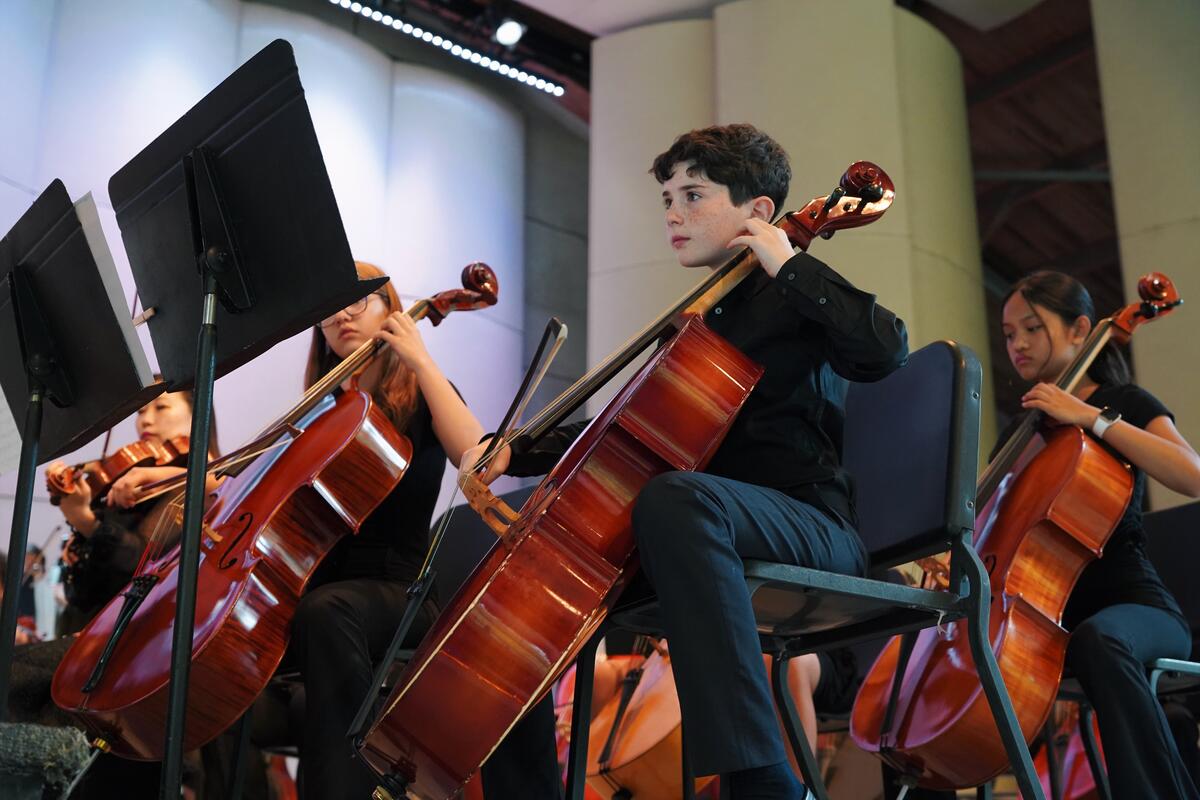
x=1174, y=677
x=796, y=607
x=798, y=604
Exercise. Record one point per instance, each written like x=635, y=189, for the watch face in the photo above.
x=1110, y=414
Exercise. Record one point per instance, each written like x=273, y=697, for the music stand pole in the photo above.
x=189, y=546
x=54, y=263
x=44, y=372
x=18, y=539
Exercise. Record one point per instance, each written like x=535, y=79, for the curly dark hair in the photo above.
x=740, y=157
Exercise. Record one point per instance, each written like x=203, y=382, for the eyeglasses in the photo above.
x=352, y=310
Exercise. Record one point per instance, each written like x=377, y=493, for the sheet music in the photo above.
x=89, y=219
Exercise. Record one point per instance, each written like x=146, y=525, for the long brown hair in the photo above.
x=396, y=393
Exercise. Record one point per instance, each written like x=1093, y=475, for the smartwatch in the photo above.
x=1108, y=416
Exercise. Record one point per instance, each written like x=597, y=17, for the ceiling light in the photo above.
x=509, y=32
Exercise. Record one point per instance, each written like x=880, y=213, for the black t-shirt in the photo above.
x=1124, y=573
x=392, y=541
x=105, y=561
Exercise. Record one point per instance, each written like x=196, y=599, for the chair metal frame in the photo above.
x=1168, y=676
x=831, y=610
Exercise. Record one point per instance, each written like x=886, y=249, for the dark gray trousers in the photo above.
x=692, y=531
x=1108, y=652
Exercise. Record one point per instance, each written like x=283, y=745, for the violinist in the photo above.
x=775, y=489
x=1120, y=615
x=106, y=543
x=356, y=599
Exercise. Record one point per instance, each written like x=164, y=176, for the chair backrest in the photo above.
x=1173, y=544
x=468, y=540
x=911, y=442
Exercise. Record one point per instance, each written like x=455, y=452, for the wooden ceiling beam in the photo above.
x=1033, y=69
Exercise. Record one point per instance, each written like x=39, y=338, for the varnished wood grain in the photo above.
x=1054, y=517
x=275, y=522
x=530, y=606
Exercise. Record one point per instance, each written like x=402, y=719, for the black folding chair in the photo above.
x=911, y=441
x=1173, y=548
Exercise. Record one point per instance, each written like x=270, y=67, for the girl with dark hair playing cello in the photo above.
x=1120, y=615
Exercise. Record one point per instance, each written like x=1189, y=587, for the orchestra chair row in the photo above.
x=1174, y=549
x=924, y=416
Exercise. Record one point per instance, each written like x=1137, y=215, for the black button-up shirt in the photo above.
x=811, y=330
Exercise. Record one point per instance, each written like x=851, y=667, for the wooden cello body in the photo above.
x=1048, y=503
x=537, y=597
x=1052, y=518
x=312, y=479
x=264, y=535
x=646, y=754
x=544, y=588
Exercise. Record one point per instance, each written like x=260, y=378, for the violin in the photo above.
x=1047, y=505
x=100, y=475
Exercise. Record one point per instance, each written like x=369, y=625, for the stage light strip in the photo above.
x=453, y=48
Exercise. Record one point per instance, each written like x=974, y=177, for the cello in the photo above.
x=315, y=476
x=559, y=565
x=635, y=747
x=1047, y=504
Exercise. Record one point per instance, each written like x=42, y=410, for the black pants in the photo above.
x=1108, y=652
x=693, y=530
x=341, y=629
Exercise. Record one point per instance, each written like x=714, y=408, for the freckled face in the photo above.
x=1040, y=345
x=701, y=218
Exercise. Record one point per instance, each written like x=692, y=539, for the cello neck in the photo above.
x=703, y=296
x=1068, y=381
x=349, y=366
x=863, y=194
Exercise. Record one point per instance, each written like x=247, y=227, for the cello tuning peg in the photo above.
x=837, y=194
x=872, y=193
x=826, y=234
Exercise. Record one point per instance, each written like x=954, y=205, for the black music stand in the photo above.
x=64, y=335
x=231, y=203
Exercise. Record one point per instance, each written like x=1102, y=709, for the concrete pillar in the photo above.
x=649, y=84
x=833, y=83
x=1148, y=62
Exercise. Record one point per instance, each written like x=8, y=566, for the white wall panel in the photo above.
x=455, y=187
x=119, y=73
x=347, y=84
x=25, y=30
x=428, y=169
